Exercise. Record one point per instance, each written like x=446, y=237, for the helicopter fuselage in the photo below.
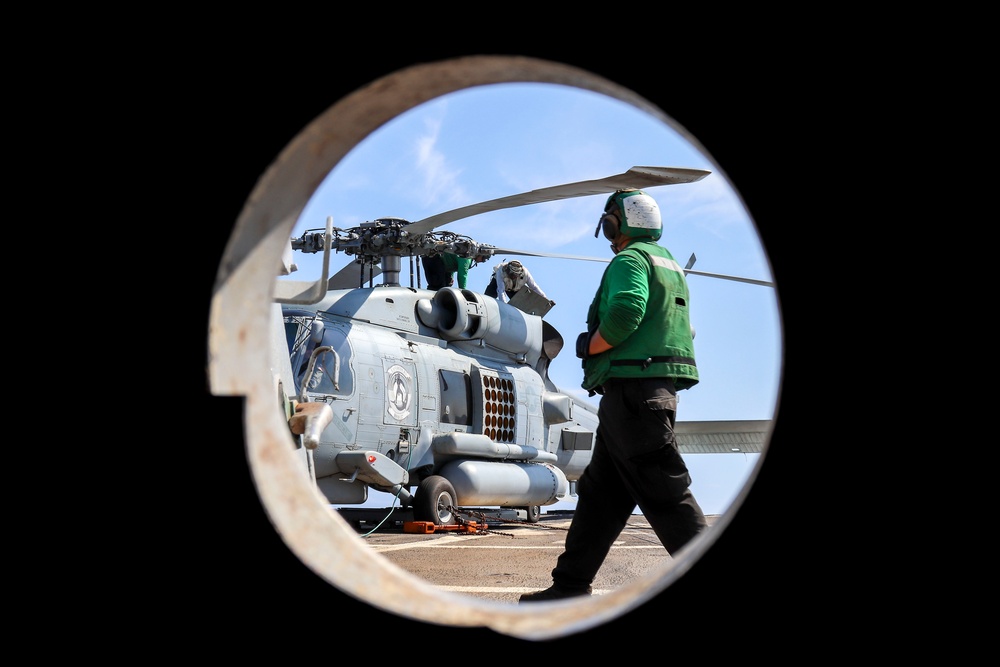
x=425, y=385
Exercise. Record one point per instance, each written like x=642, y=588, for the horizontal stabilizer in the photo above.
x=723, y=437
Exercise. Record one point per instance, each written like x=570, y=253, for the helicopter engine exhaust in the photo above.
x=505, y=484
x=463, y=315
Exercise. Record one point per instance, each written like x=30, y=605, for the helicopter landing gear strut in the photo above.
x=533, y=512
x=434, y=500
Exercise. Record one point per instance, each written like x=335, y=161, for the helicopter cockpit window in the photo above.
x=303, y=331
x=456, y=398
x=331, y=373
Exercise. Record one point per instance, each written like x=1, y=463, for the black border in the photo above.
x=239, y=576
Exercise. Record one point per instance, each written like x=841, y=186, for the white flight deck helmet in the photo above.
x=513, y=275
x=514, y=268
x=632, y=212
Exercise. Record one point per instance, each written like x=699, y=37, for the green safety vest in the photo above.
x=642, y=310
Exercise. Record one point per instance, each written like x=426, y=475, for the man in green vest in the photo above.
x=440, y=270
x=637, y=352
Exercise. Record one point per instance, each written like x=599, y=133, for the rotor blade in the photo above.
x=687, y=269
x=350, y=276
x=752, y=281
x=636, y=177
x=529, y=253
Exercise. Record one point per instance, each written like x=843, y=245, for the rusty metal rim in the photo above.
x=238, y=338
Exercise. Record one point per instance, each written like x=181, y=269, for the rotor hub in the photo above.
x=385, y=241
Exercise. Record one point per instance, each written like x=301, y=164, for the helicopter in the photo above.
x=439, y=398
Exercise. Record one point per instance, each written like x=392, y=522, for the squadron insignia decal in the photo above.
x=398, y=392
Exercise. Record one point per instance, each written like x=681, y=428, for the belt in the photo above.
x=653, y=360
x=611, y=383
x=608, y=384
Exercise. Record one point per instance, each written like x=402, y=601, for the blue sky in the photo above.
x=493, y=141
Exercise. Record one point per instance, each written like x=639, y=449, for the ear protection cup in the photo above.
x=609, y=223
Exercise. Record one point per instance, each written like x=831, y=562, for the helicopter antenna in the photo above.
x=305, y=292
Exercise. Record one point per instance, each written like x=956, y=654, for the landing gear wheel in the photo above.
x=433, y=498
x=534, y=513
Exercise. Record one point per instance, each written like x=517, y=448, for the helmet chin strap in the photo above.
x=620, y=240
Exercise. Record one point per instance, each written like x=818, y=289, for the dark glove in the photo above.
x=583, y=345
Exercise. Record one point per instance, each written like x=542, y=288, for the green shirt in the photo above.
x=457, y=265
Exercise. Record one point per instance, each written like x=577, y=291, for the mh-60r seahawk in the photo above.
x=446, y=392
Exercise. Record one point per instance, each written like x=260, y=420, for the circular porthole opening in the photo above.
x=241, y=334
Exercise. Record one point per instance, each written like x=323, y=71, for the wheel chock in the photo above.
x=427, y=527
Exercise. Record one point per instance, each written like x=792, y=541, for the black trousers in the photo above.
x=436, y=274
x=491, y=289
x=635, y=462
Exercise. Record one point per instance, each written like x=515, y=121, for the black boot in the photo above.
x=555, y=592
